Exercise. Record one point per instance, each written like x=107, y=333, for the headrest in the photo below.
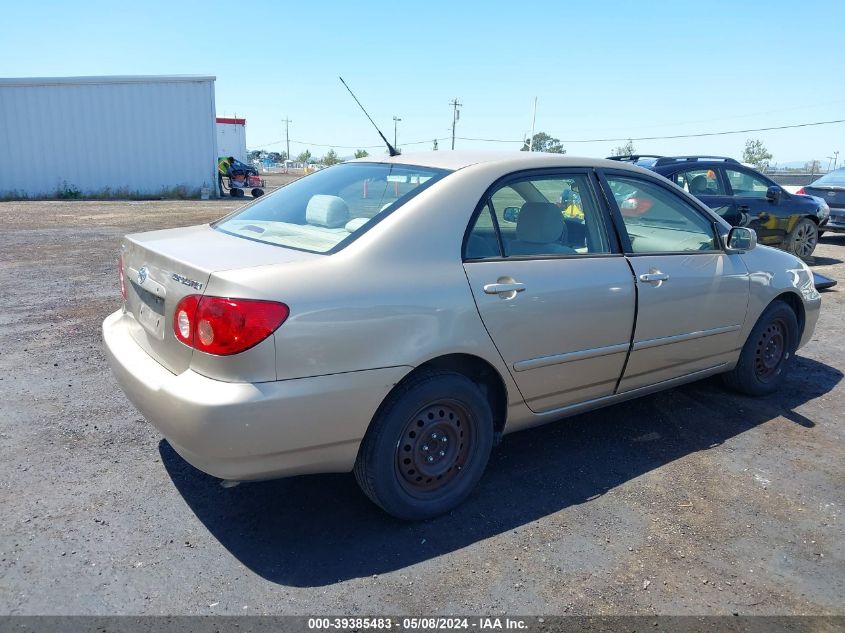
x=698, y=184
x=539, y=222
x=328, y=211
x=356, y=223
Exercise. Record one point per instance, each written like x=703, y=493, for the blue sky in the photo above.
x=599, y=69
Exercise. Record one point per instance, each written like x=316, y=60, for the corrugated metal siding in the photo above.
x=231, y=140
x=138, y=135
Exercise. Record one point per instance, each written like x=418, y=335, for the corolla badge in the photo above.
x=831, y=194
x=196, y=285
x=142, y=275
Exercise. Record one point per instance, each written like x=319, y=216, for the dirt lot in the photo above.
x=690, y=501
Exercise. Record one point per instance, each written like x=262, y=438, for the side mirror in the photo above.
x=740, y=239
x=511, y=214
x=773, y=193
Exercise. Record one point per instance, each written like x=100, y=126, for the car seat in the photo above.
x=540, y=229
x=698, y=185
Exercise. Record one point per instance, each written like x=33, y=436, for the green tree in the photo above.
x=277, y=157
x=304, y=157
x=544, y=143
x=755, y=153
x=330, y=158
x=627, y=149
x=255, y=154
x=361, y=153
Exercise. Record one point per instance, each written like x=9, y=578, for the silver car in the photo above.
x=396, y=317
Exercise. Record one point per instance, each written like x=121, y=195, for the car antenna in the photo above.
x=390, y=149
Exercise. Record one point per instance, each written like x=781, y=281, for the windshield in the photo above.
x=323, y=212
x=836, y=178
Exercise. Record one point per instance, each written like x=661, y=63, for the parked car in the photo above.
x=386, y=317
x=831, y=189
x=745, y=197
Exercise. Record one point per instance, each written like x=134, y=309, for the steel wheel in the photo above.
x=434, y=447
x=805, y=238
x=428, y=446
x=770, y=350
x=767, y=352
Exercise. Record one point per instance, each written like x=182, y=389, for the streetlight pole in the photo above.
x=396, y=120
x=835, y=158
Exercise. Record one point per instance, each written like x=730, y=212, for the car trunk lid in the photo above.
x=162, y=267
x=834, y=196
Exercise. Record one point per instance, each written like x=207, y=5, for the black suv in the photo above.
x=745, y=197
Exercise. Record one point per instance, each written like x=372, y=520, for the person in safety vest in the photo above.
x=570, y=205
x=224, y=164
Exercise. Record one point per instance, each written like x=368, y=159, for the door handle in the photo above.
x=655, y=277
x=744, y=208
x=495, y=289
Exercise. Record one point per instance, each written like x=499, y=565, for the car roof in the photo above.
x=458, y=159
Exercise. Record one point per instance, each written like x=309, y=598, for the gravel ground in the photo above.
x=692, y=501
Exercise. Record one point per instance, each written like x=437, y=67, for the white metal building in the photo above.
x=124, y=135
x=231, y=138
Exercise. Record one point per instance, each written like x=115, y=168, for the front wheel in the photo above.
x=428, y=447
x=767, y=353
x=803, y=238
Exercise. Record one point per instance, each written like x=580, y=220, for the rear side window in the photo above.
x=545, y=215
x=699, y=182
x=323, y=212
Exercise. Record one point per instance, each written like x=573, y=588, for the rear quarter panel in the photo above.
x=396, y=296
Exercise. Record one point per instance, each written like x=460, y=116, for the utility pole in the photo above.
x=533, y=120
x=835, y=158
x=456, y=114
x=287, y=123
x=396, y=120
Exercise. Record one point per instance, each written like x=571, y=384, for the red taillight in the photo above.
x=221, y=326
x=801, y=192
x=121, y=277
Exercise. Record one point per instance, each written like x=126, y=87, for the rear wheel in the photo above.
x=257, y=193
x=803, y=238
x=767, y=353
x=428, y=447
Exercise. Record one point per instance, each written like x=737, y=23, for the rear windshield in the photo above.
x=836, y=178
x=323, y=212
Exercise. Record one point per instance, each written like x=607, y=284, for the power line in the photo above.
x=593, y=140
x=656, y=138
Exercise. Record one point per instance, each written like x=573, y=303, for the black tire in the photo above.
x=803, y=238
x=436, y=416
x=767, y=354
x=257, y=193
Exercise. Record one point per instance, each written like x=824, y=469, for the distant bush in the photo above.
x=72, y=192
x=68, y=192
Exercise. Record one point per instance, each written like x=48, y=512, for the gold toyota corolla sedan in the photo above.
x=396, y=317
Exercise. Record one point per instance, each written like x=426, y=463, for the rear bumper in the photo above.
x=250, y=430
x=836, y=221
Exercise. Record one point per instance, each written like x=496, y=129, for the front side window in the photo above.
x=539, y=216
x=746, y=184
x=659, y=221
x=326, y=210
x=699, y=182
